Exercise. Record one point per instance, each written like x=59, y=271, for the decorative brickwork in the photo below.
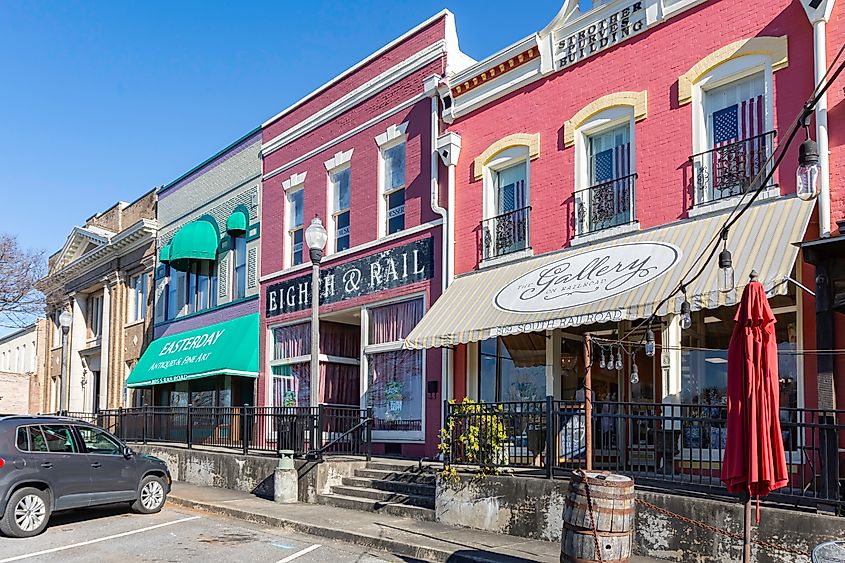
x=530, y=140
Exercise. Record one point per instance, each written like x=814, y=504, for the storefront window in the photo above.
x=704, y=373
x=291, y=371
x=396, y=375
x=512, y=368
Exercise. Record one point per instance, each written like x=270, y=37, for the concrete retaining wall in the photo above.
x=249, y=473
x=533, y=508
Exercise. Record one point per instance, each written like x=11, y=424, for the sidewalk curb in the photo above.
x=383, y=544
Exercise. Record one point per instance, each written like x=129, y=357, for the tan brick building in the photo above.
x=103, y=277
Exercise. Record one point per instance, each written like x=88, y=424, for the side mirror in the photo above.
x=127, y=452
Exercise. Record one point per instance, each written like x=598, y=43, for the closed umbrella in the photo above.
x=754, y=463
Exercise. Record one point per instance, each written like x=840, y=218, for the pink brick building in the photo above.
x=358, y=153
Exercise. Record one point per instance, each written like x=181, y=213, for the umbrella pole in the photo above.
x=588, y=403
x=746, y=539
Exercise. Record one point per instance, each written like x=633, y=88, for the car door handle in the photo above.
x=46, y=465
x=96, y=465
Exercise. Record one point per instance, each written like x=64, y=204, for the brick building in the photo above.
x=359, y=153
x=22, y=369
x=101, y=276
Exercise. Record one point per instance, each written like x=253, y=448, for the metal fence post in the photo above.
x=550, y=430
x=120, y=424
x=244, y=427
x=189, y=424
x=144, y=424
x=319, y=433
x=368, y=429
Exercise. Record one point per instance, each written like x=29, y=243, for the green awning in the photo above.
x=227, y=348
x=237, y=223
x=197, y=240
x=164, y=254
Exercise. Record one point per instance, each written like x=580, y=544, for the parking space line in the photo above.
x=295, y=555
x=89, y=542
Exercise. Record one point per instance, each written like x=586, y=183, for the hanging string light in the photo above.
x=686, y=318
x=618, y=364
x=807, y=174
x=602, y=362
x=726, y=269
x=649, y=343
x=635, y=372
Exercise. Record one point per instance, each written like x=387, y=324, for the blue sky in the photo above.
x=102, y=101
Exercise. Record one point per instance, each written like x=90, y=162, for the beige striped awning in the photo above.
x=621, y=278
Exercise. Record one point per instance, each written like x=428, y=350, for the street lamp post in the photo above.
x=315, y=238
x=65, y=320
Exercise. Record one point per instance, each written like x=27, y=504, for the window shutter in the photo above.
x=223, y=278
x=252, y=268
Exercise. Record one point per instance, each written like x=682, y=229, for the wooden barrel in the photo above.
x=613, y=502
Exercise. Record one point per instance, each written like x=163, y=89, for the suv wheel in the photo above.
x=151, y=495
x=27, y=513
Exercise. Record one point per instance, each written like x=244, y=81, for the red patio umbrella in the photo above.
x=754, y=463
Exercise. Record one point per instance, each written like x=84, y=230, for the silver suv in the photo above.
x=52, y=463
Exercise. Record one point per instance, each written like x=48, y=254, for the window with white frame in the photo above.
x=507, y=209
x=95, y=315
x=290, y=365
x=393, y=163
x=176, y=285
x=138, y=297
x=57, y=328
x=239, y=267
x=339, y=181
x=734, y=136
x=295, y=228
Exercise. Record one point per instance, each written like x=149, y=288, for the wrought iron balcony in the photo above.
x=606, y=205
x=505, y=233
x=728, y=170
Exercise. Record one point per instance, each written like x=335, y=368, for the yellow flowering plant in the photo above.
x=475, y=434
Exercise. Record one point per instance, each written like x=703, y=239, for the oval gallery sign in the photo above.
x=587, y=277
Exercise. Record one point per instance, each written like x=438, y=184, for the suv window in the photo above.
x=37, y=443
x=98, y=442
x=59, y=439
x=22, y=439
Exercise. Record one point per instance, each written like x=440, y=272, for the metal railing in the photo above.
x=728, y=170
x=678, y=447
x=307, y=431
x=605, y=205
x=505, y=233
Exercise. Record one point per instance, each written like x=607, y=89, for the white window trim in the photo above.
x=504, y=159
x=331, y=218
x=288, y=246
x=395, y=135
x=721, y=75
x=599, y=123
x=132, y=302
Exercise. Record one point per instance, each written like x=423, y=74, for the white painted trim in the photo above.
x=604, y=234
x=504, y=159
x=393, y=133
x=355, y=97
x=295, y=181
x=339, y=160
x=360, y=248
x=443, y=13
x=339, y=139
x=729, y=202
x=507, y=258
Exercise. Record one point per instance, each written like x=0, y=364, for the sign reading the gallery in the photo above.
x=388, y=269
x=587, y=277
x=599, y=35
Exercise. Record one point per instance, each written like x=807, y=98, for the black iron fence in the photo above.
x=605, y=205
x=307, y=431
x=667, y=446
x=506, y=233
x=729, y=169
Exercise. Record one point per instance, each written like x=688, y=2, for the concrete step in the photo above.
x=419, y=489
x=367, y=505
x=401, y=467
x=422, y=478
x=384, y=496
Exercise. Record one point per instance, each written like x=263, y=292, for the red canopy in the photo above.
x=754, y=459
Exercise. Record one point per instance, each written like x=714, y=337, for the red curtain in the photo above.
x=393, y=323
x=339, y=384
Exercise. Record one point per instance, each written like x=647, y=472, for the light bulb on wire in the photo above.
x=726, y=269
x=618, y=364
x=635, y=372
x=602, y=362
x=686, y=319
x=649, y=343
x=807, y=173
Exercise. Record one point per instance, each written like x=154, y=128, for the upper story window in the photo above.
x=393, y=163
x=138, y=297
x=730, y=91
x=295, y=230
x=505, y=170
x=192, y=290
x=339, y=182
x=95, y=316
x=239, y=267
x=176, y=285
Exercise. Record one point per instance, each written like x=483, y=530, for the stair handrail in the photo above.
x=318, y=453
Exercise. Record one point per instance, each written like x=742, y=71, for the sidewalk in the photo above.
x=422, y=541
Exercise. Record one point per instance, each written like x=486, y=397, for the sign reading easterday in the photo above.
x=588, y=277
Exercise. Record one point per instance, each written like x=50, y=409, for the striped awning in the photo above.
x=621, y=278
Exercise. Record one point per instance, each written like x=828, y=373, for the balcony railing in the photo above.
x=605, y=205
x=678, y=447
x=506, y=233
x=729, y=170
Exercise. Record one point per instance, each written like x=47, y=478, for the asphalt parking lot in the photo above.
x=116, y=534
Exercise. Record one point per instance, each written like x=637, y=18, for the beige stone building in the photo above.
x=23, y=369
x=103, y=277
